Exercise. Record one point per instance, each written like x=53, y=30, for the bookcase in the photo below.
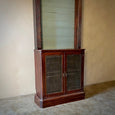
x=59, y=59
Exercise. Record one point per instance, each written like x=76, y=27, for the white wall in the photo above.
x=16, y=48
x=17, y=44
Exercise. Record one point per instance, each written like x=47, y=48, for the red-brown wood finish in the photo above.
x=78, y=22
x=42, y=98
x=79, y=25
x=37, y=24
x=59, y=99
x=38, y=73
x=44, y=54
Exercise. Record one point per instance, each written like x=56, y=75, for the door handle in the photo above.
x=64, y=74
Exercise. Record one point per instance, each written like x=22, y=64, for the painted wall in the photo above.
x=16, y=48
x=99, y=40
x=17, y=44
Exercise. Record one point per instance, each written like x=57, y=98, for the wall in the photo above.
x=99, y=40
x=16, y=48
x=17, y=44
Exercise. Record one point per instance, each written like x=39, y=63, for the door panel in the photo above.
x=63, y=72
x=73, y=70
x=54, y=73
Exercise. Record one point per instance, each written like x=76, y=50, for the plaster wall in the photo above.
x=17, y=44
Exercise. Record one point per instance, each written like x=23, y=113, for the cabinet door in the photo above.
x=53, y=73
x=74, y=70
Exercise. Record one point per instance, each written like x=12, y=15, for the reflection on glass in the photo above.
x=58, y=24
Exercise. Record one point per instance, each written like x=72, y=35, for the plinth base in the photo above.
x=59, y=100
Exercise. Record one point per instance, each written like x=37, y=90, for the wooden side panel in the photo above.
x=78, y=21
x=82, y=69
x=63, y=99
x=38, y=73
x=74, y=69
x=37, y=24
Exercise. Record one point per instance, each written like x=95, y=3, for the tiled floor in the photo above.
x=100, y=100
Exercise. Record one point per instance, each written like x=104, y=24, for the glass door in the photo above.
x=54, y=73
x=73, y=70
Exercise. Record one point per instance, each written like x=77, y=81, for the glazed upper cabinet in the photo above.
x=57, y=24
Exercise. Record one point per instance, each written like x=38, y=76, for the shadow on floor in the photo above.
x=93, y=90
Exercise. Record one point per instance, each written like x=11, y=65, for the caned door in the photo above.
x=53, y=73
x=73, y=71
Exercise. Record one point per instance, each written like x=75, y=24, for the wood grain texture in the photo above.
x=59, y=99
x=37, y=24
x=38, y=73
x=44, y=99
x=78, y=22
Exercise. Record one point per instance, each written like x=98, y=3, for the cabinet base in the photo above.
x=59, y=100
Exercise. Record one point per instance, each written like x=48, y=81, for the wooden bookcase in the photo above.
x=59, y=73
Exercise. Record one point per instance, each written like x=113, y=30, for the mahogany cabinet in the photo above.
x=59, y=67
x=59, y=76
